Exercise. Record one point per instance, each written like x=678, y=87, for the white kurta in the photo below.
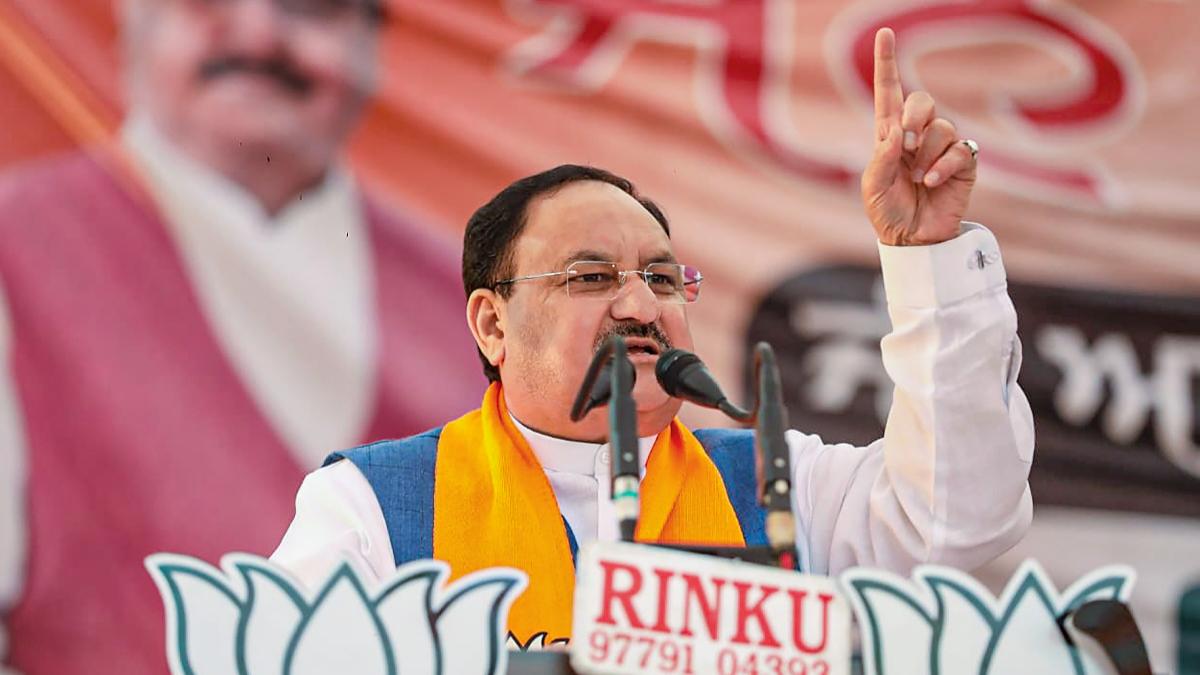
x=947, y=483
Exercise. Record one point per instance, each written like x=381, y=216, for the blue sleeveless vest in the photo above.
x=401, y=473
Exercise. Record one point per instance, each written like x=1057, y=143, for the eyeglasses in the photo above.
x=374, y=10
x=670, y=282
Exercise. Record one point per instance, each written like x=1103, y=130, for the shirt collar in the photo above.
x=578, y=457
x=173, y=176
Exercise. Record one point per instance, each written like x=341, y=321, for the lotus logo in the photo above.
x=254, y=618
x=947, y=622
x=536, y=643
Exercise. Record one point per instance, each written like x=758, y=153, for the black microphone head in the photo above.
x=670, y=367
x=683, y=375
x=601, y=388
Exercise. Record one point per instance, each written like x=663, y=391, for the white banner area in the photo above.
x=645, y=609
x=637, y=609
x=254, y=618
x=947, y=622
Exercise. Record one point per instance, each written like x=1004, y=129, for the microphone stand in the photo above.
x=622, y=424
x=774, y=462
x=609, y=379
x=772, y=456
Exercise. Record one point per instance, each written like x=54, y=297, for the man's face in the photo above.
x=292, y=75
x=550, y=337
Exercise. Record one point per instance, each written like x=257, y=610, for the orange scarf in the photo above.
x=493, y=506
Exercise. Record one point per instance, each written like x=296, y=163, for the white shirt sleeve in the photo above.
x=947, y=483
x=337, y=518
x=13, y=537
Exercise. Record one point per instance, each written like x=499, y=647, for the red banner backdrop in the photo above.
x=749, y=120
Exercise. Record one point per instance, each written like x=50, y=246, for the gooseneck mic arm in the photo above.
x=609, y=380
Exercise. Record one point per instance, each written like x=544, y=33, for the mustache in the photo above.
x=282, y=70
x=632, y=329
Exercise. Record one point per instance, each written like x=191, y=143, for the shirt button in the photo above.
x=604, y=457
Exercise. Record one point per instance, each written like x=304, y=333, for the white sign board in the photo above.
x=252, y=617
x=641, y=609
x=944, y=621
x=637, y=609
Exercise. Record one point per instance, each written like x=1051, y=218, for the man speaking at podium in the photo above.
x=559, y=261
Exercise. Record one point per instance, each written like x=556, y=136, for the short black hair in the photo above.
x=493, y=230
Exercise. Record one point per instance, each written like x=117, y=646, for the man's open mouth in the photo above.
x=641, y=346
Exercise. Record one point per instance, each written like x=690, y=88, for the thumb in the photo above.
x=884, y=166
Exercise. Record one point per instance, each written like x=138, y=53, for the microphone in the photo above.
x=609, y=380
x=623, y=440
x=683, y=375
x=1110, y=623
x=596, y=389
x=774, y=456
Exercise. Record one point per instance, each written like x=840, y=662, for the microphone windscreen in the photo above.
x=599, y=377
x=670, y=367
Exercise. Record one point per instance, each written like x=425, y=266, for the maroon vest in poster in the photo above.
x=141, y=437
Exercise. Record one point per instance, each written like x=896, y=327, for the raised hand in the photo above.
x=918, y=182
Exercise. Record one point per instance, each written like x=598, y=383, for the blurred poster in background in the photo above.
x=749, y=121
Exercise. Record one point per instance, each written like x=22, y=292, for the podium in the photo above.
x=251, y=617
x=651, y=608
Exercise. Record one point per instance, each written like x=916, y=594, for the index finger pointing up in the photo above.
x=889, y=99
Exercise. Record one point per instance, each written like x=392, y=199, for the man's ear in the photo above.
x=485, y=316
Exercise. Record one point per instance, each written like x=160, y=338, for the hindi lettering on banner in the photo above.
x=1112, y=378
